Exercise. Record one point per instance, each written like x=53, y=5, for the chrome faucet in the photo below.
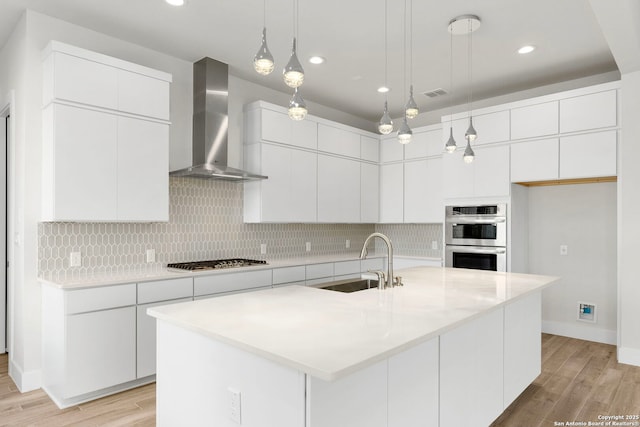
x=363, y=254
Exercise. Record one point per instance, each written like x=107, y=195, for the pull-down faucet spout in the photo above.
x=363, y=254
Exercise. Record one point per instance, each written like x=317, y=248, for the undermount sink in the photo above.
x=349, y=285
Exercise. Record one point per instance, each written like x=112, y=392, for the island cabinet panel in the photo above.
x=534, y=120
x=522, y=345
x=535, y=160
x=471, y=372
x=413, y=386
x=586, y=112
x=588, y=155
x=338, y=190
x=357, y=400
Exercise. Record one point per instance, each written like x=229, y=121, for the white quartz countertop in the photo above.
x=330, y=334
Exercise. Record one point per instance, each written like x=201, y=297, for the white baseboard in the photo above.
x=605, y=336
x=630, y=356
x=25, y=381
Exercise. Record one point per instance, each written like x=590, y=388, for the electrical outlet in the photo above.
x=587, y=312
x=347, y=244
x=308, y=246
x=263, y=248
x=75, y=259
x=235, y=409
x=151, y=255
x=434, y=245
x=564, y=249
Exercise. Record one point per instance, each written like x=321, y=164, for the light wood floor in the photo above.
x=580, y=380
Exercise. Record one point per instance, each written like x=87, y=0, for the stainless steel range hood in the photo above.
x=211, y=124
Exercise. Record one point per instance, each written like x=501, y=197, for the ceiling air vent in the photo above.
x=435, y=92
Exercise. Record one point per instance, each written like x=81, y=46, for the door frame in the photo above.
x=7, y=108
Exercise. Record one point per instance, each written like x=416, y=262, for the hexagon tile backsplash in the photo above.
x=205, y=222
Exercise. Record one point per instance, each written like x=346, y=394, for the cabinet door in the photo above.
x=275, y=191
x=303, y=181
x=423, y=191
x=593, y=111
x=338, y=189
x=276, y=127
x=338, y=141
x=534, y=120
x=391, y=150
x=369, y=192
x=491, y=173
x=588, y=155
x=471, y=372
x=534, y=160
x=492, y=127
x=143, y=95
x=84, y=158
x=143, y=170
x=101, y=350
x=146, y=338
x=392, y=193
x=369, y=149
x=457, y=175
x=434, y=210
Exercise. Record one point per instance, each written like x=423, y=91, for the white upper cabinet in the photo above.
x=534, y=120
x=392, y=193
x=338, y=141
x=369, y=192
x=586, y=112
x=105, y=138
x=391, y=150
x=278, y=127
x=491, y=127
x=338, y=189
x=535, y=160
x=457, y=176
x=369, y=149
x=424, y=144
x=588, y=155
x=423, y=201
x=486, y=176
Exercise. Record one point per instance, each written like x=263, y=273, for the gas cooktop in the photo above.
x=215, y=264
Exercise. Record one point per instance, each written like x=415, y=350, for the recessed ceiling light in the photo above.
x=526, y=49
x=316, y=60
x=383, y=89
x=175, y=2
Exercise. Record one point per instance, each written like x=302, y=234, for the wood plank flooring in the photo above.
x=579, y=381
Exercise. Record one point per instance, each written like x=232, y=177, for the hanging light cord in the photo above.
x=451, y=74
x=410, y=41
x=264, y=14
x=404, y=49
x=386, y=59
x=469, y=49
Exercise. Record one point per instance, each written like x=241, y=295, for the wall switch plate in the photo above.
x=347, y=244
x=564, y=249
x=263, y=248
x=308, y=246
x=75, y=259
x=235, y=409
x=151, y=255
x=434, y=245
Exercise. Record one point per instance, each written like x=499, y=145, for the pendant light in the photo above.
x=297, y=106
x=385, y=126
x=293, y=73
x=411, y=108
x=451, y=145
x=404, y=132
x=263, y=61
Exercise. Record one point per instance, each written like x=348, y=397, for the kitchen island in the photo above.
x=451, y=347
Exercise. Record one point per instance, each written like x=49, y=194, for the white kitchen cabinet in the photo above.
x=423, y=201
x=392, y=193
x=338, y=189
x=586, y=112
x=338, y=141
x=491, y=127
x=79, y=180
x=231, y=282
x=105, y=138
x=588, y=155
x=269, y=125
x=391, y=150
x=289, y=276
x=534, y=120
x=289, y=194
x=491, y=171
x=369, y=148
x=471, y=371
x=425, y=143
x=369, y=192
x=535, y=160
x=457, y=175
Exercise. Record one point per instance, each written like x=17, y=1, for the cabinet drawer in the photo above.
x=317, y=271
x=231, y=282
x=84, y=300
x=165, y=290
x=288, y=274
x=346, y=267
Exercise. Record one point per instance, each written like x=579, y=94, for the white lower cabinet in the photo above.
x=471, y=372
x=338, y=189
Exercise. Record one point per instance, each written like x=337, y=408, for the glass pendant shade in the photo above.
x=297, y=107
x=293, y=73
x=404, y=133
x=411, y=108
x=263, y=61
x=385, y=126
x=468, y=153
x=451, y=143
x=470, y=135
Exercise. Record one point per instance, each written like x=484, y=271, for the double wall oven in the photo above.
x=476, y=237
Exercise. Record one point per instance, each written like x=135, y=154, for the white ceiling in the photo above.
x=350, y=34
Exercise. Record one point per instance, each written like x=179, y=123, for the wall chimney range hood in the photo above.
x=211, y=124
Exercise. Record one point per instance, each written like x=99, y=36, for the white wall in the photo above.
x=583, y=217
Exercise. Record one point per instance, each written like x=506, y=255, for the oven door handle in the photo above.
x=497, y=220
x=477, y=250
